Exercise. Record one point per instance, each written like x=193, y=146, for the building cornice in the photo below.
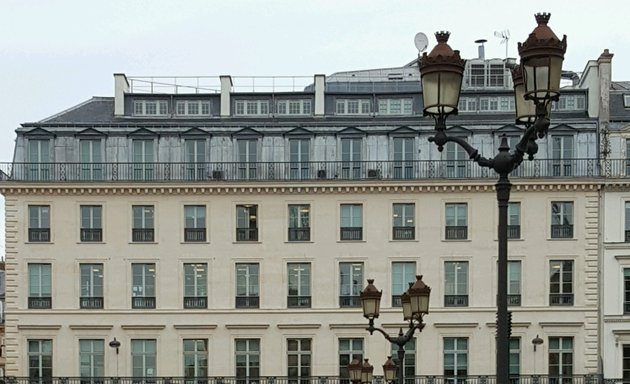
x=257, y=189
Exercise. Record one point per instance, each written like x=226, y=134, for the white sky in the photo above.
x=56, y=54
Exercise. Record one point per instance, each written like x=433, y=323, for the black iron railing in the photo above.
x=427, y=379
x=247, y=301
x=91, y=302
x=351, y=233
x=143, y=302
x=564, y=231
x=349, y=301
x=314, y=170
x=246, y=234
x=404, y=233
x=195, y=302
x=300, y=234
x=194, y=234
x=91, y=234
x=40, y=302
x=142, y=235
x=298, y=301
x=456, y=232
x=514, y=300
x=561, y=299
x=455, y=300
x=39, y=235
x=514, y=231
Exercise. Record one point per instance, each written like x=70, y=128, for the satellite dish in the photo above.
x=421, y=41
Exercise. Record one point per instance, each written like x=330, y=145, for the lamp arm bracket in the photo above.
x=371, y=328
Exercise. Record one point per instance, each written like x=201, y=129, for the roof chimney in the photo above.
x=482, y=50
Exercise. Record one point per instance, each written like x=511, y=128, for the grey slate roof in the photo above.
x=620, y=85
x=94, y=110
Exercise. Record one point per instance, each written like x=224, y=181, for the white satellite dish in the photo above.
x=421, y=41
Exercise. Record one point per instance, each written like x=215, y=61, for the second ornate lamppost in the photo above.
x=415, y=304
x=536, y=85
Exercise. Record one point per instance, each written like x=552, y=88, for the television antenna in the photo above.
x=505, y=38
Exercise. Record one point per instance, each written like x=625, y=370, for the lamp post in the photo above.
x=415, y=304
x=536, y=85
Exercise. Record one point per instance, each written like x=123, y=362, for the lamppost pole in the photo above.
x=415, y=304
x=536, y=85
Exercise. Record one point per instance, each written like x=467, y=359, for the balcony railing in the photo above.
x=91, y=234
x=142, y=235
x=561, y=299
x=349, y=301
x=514, y=300
x=351, y=233
x=514, y=231
x=437, y=379
x=143, y=302
x=91, y=302
x=456, y=232
x=247, y=301
x=404, y=233
x=309, y=171
x=194, y=234
x=298, y=301
x=455, y=300
x=562, y=231
x=246, y=234
x=195, y=302
x=396, y=301
x=300, y=234
x=39, y=235
x=40, y=302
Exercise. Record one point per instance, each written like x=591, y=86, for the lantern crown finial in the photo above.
x=542, y=18
x=442, y=36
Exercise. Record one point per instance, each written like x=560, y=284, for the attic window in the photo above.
x=395, y=76
x=626, y=101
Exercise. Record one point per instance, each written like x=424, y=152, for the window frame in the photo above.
x=197, y=355
x=351, y=222
x=91, y=223
x=94, y=356
x=195, y=223
x=92, y=289
x=250, y=296
x=247, y=223
x=144, y=107
x=39, y=223
x=299, y=222
x=350, y=287
x=402, y=212
x=39, y=285
x=297, y=273
x=562, y=292
x=456, y=293
x=562, y=219
x=458, y=220
x=144, y=290
x=195, y=285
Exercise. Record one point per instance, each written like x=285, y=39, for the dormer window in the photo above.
x=150, y=108
x=294, y=107
x=352, y=107
x=251, y=107
x=626, y=101
x=395, y=106
x=192, y=108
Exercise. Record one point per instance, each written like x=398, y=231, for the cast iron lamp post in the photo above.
x=415, y=304
x=536, y=85
x=360, y=373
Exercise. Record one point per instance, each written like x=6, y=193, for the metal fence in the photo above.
x=304, y=171
x=478, y=379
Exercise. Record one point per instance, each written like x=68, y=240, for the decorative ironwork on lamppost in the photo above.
x=536, y=85
x=415, y=304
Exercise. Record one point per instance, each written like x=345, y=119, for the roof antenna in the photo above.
x=505, y=38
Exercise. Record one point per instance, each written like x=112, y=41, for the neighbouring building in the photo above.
x=202, y=230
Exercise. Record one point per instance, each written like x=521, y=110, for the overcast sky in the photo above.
x=56, y=54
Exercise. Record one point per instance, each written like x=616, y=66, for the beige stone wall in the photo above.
x=273, y=323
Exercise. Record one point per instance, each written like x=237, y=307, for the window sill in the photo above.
x=561, y=239
x=143, y=242
x=404, y=241
x=194, y=242
x=247, y=242
x=39, y=242
x=299, y=242
x=456, y=240
x=351, y=241
x=91, y=242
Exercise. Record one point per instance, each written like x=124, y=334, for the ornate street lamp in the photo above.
x=389, y=370
x=354, y=370
x=366, y=372
x=536, y=81
x=415, y=304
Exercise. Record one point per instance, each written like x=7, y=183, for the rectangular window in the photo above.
x=150, y=107
x=40, y=359
x=247, y=285
x=351, y=227
x=562, y=155
x=91, y=159
x=91, y=223
x=143, y=223
x=561, y=359
x=143, y=357
x=351, y=155
x=349, y=349
x=39, y=223
x=403, y=157
x=39, y=160
x=39, y=286
x=299, y=222
x=350, y=284
x=626, y=362
x=409, y=364
x=404, y=222
x=192, y=108
x=514, y=220
x=143, y=159
x=195, y=285
x=299, y=359
x=626, y=101
x=252, y=107
x=561, y=219
x=456, y=359
x=395, y=106
x=457, y=161
x=561, y=282
x=143, y=289
x=456, y=284
x=194, y=223
x=293, y=107
x=627, y=222
x=403, y=273
x=195, y=359
x=456, y=221
x=514, y=283
x=247, y=223
x=247, y=358
x=91, y=358
x=514, y=369
x=352, y=107
x=299, y=285
x=195, y=158
x=91, y=286
x=247, y=150
x=299, y=157
x=626, y=291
